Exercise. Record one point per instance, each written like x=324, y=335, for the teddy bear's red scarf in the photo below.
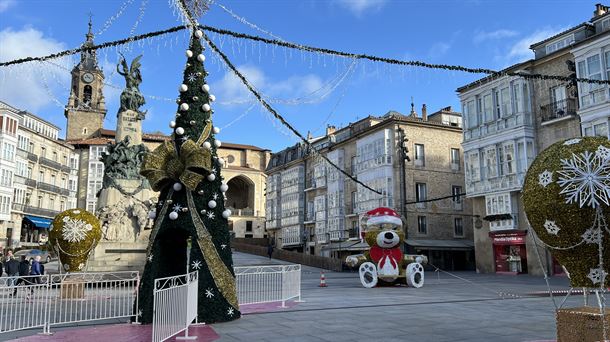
x=378, y=253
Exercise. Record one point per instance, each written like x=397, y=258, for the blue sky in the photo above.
x=308, y=89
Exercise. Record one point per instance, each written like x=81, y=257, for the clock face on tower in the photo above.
x=88, y=77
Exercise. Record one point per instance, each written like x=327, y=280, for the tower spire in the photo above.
x=90, y=33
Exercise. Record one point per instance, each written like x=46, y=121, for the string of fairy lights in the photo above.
x=190, y=23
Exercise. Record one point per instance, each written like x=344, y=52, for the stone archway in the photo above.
x=240, y=195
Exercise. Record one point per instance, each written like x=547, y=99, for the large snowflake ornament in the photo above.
x=592, y=235
x=192, y=77
x=196, y=265
x=596, y=275
x=177, y=207
x=551, y=227
x=585, y=179
x=75, y=230
x=211, y=215
x=545, y=178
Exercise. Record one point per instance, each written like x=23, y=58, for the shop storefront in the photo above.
x=509, y=250
x=34, y=230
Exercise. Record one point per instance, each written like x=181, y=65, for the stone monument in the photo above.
x=126, y=198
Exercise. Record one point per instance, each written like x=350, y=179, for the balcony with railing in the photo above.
x=498, y=125
x=242, y=212
x=30, y=182
x=40, y=211
x=27, y=155
x=52, y=188
x=18, y=206
x=50, y=163
x=503, y=221
x=503, y=183
x=558, y=109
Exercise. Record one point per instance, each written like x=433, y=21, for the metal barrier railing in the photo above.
x=175, y=305
x=23, y=302
x=79, y=297
x=44, y=301
x=264, y=284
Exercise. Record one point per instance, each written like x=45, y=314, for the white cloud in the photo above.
x=520, y=51
x=231, y=89
x=439, y=49
x=6, y=4
x=358, y=7
x=481, y=36
x=28, y=85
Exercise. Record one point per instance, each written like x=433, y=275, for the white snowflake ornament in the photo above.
x=603, y=152
x=211, y=215
x=208, y=293
x=75, y=230
x=230, y=311
x=585, y=179
x=223, y=246
x=551, y=227
x=596, y=275
x=592, y=235
x=192, y=77
x=545, y=178
x=196, y=265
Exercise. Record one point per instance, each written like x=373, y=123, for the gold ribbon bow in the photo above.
x=164, y=166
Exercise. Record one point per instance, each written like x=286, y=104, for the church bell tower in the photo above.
x=86, y=108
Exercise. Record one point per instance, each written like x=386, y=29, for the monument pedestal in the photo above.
x=125, y=227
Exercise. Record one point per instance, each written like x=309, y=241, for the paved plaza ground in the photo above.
x=461, y=306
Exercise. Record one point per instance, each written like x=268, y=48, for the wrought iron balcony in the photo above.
x=50, y=163
x=51, y=188
x=40, y=211
x=27, y=154
x=558, y=109
x=30, y=182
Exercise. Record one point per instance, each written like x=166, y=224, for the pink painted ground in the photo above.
x=265, y=307
x=118, y=332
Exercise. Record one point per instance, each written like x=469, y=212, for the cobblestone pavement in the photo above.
x=461, y=306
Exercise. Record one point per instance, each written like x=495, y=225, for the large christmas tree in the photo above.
x=186, y=171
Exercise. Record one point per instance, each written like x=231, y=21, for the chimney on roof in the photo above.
x=309, y=136
x=330, y=129
x=447, y=109
x=424, y=112
x=600, y=10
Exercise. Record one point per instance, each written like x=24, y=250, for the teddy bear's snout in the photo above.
x=389, y=235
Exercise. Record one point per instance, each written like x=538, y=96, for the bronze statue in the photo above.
x=131, y=98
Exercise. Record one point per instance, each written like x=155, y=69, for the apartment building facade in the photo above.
x=314, y=208
x=38, y=177
x=509, y=120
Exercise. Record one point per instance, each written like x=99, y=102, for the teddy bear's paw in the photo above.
x=415, y=275
x=368, y=274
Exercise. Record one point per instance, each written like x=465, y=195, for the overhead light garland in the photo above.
x=491, y=73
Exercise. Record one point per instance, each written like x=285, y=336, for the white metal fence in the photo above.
x=175, y=305
x=45, y=301
x=263, y=284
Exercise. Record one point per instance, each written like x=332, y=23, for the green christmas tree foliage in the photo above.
x=186, y=171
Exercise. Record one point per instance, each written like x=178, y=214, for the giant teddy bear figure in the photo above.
x=385, y=261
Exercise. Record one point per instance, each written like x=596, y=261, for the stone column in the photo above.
x=129, y=124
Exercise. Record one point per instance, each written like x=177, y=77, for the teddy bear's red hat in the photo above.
x=383, y=215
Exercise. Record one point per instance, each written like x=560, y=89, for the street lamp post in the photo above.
x=403, y=157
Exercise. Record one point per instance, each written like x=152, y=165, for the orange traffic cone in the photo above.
x=322, y=280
